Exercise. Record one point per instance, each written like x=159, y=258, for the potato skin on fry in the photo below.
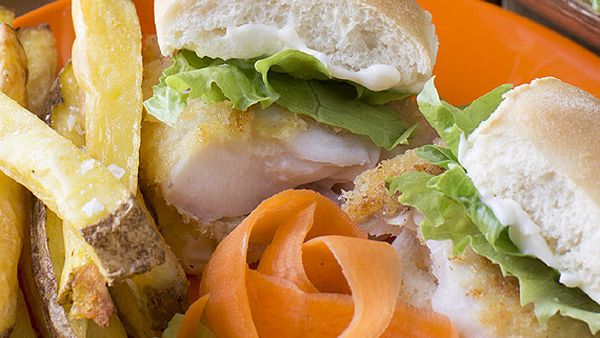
x=109, y=241
x=42, y=262
x=147, y=302
x=49, y=313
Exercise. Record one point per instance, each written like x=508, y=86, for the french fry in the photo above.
x=42, y=58
x=145, y=303
x=82, y=287
x=13, y=198
x=80, y=191
x=148, y=301
x=36, y=276
x=7, y=15
x=107, y=64
x=23, y=328
x=65, y=116
x=42, y=262
x=10, y=246
x=13, y=63
x=107, y=61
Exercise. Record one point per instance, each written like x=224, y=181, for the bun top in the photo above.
x=381, y=44
x=561, y=121
x=535, y=164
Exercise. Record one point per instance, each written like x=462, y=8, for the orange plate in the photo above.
x=481, y=46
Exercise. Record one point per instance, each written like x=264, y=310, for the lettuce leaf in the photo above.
x=294, y=63
x=440, y=156
x=166, y=104
x=451, y=122
x=302, y=66
x=452, y=210
x=456, y=185
x=446, y=218
x=333, y=105
x=291, y=79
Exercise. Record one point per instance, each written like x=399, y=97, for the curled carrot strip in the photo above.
x=190, y=324
x=318, y=277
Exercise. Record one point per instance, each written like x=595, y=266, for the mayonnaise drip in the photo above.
x=260, y=39
x=523, y=231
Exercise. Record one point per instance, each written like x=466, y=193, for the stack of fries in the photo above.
x=75, y=228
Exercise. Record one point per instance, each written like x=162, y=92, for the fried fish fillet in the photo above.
x=468, y=289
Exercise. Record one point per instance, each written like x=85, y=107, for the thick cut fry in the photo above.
x=81, y=191
x=82, y=286
x=107, y=62
x=109, y=73
x=7, y=15
x=13, y=63
x=23, y=328
x=13, y=198
x=42, y=59
x=318, y=277
x=41, y=264
x=38, y=279
x=107, y=59
x=147, y=302
x=10, y=247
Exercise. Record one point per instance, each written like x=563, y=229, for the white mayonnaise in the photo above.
x=524, y=233
x=258, y=39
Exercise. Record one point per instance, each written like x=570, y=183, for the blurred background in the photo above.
x=576, y=19
x=22, y=6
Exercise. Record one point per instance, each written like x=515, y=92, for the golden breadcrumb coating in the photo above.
x=370, y=198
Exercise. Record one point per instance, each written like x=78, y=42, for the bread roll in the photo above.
x=541, y=149
x=380, y=44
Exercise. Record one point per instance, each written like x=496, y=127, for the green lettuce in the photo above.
x=452, y=210
x=445, y=218
x=331, y=104
x=292, y=79
x=451, y=122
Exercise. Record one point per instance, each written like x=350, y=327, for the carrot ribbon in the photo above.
x=319, y=276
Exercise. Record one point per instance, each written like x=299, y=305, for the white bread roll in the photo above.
x=380, y=44
x=541, y=149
